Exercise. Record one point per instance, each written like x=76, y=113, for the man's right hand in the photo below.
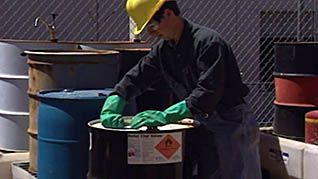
x=110, y=115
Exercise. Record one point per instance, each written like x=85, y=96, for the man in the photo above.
x=201, y=70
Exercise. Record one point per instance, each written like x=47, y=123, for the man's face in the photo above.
x=160, y=29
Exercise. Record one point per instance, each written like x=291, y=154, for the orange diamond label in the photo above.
x=167, y=146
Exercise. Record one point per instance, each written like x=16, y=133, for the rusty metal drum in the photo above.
x=296, y=86
x=138, y=153
x=51, y=69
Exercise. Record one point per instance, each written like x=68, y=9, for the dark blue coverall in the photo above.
x=202, y=69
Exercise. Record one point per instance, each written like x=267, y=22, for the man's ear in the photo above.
x=167, y=13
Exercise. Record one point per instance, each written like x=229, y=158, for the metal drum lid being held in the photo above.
x=155, y=152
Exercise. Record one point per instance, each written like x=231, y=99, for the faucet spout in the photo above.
x=50, y=27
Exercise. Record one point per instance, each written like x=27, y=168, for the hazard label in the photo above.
x=154, y=148
x=168, y=146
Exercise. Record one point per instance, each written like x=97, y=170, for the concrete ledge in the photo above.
x=311, y=162
x=20, y=170
x=286, y=158
x=5, y=162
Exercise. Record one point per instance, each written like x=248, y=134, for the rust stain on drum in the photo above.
x=65, y=69
x=40, y=78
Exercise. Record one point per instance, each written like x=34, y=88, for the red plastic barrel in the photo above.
x=311, y=127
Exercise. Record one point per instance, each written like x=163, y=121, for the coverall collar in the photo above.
x=184, y=38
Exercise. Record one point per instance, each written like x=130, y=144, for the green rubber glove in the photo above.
x=150, y=118
x=111, y=114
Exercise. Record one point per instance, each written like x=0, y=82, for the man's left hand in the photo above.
x=149, y=118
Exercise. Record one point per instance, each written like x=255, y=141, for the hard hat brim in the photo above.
x=137, y=29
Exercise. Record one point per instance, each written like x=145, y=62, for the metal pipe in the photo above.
x=300, y=7
x=49, y=26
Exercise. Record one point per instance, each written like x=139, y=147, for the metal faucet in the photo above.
x=51, y=27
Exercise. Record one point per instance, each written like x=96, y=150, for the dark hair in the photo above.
x=172, y=5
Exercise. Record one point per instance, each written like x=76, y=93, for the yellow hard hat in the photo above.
x=141, y=11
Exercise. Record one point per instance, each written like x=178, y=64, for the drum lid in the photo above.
x=180, y=125
x=75, y=94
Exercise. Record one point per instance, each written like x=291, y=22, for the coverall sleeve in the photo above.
x=145, y=73
x=210, y=86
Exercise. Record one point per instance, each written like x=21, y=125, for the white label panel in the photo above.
x=154, y=148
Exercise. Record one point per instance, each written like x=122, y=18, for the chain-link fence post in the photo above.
x=132, y=36
x=315, y=24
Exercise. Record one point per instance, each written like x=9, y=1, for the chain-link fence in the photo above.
x=250, y=26
x=75, y=20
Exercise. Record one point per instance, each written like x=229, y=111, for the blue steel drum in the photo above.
x=62, y=131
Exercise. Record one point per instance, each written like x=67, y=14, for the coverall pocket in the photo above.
x=234, y=115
